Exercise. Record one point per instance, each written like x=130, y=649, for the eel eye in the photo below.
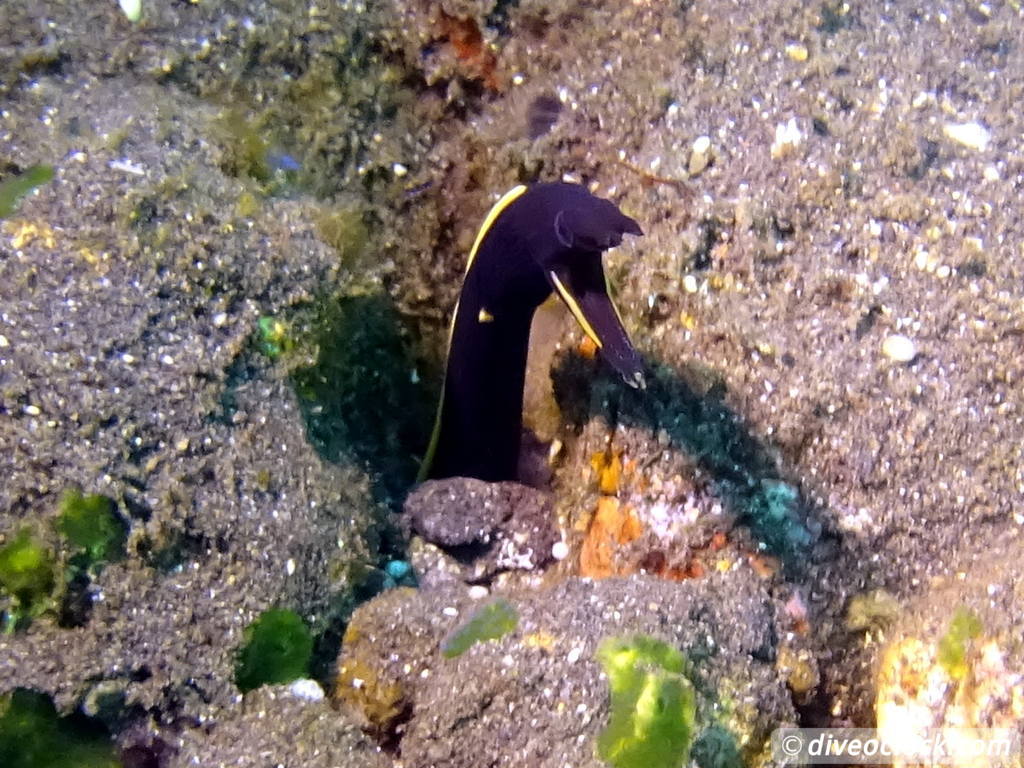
x=585, y=230
x=596, y=228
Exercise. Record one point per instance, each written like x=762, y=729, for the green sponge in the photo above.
x=32, y=735
x=91, y=524
x=489, y=622
x=27, y=573
x=276, y=650
x=954, y=645
x=652, y=704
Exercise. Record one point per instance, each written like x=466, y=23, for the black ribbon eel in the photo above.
x=535, y=240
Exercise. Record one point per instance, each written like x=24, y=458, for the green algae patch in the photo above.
x=91, y=525
x=246, y=150
x=32, y=735
x=653, y=706
x=717, y=747
x=953, y=646
x=273, y=337
x=276, y=649
x=489, y=622
x=27, y=575
x=13, y=189
x=344, y=230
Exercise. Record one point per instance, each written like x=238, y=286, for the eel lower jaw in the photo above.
x=636, y=381
x=626, y=362
x=597, y=316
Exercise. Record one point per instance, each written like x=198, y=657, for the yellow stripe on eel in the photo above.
x=574, y=307
x=493, y=214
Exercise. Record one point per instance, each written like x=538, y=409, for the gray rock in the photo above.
x=536, y=696
x=486, y=527
x=261, y=731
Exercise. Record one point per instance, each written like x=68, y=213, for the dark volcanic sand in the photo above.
x=862, y=180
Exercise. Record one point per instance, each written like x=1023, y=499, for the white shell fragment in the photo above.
x=308, y=690
x=787, y=138
x=899, y=348
x=971, y=135
x=700, y=155
x=132, y=9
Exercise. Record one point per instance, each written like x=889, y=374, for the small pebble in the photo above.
x=899, y=348
x=787, y=138
x=478, y=592
x=398, y=569
x=560, y=550
x=3, y=341
x=399, y=170
x=797, y=51
x=308, y=690
x=971, y=135
x=700, y=155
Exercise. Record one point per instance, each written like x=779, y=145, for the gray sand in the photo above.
x=860, y=182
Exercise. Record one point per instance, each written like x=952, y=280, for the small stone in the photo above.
x=398, y=569
x=700, y=156
x=3, y=341
x=307, y=690
x=32, y=410
x=690, y=284
x=799, y=668
x=972, y=135
x=787, y=138
x=874, y=610
x=797, y=51
x=399, y=170
x=508, y=525
x=220, y=319
x=560, y=550
x=974, y=244
x=478, y=592
x=899, y=348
